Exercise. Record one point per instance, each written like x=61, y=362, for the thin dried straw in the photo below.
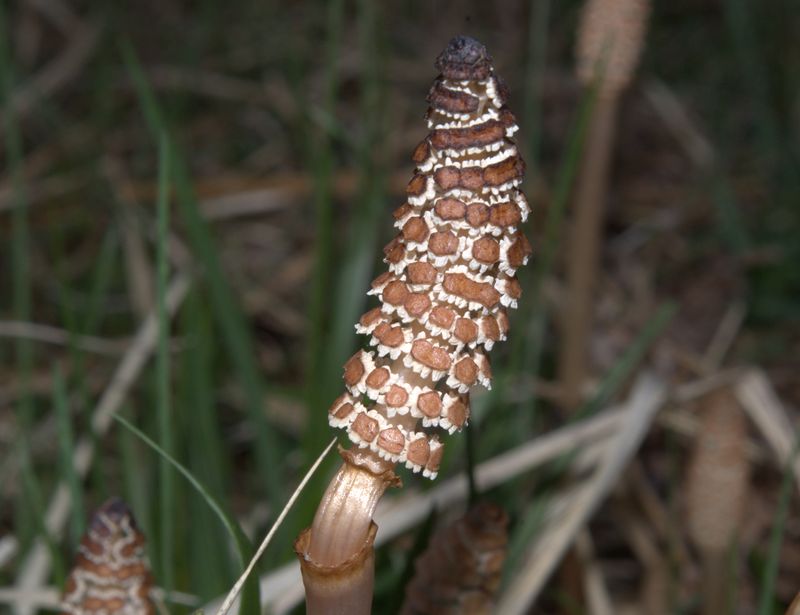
x=38, y=598
x=598, y=597
x=237, y=587
x=725, y=336
x=794, y=607
x=59, y=72
x=49, y=334
x=677, y=119
x=757, y=396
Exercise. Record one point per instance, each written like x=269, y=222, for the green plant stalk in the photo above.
x=137, y=477
x=163, y=395
x=86, y=320
x=210, y=563
x=536, y=58
x=320, y=154
x=33, y=497
x=20, y=276
x=101, y=280
x=766, y=595
x=755, y=74
x=67, y=449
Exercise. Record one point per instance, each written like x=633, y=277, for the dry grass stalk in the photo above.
x=598, y=598
x=110, y=574
x=716, y=491
x=459, y=572
x=610, y=40
x=794, y=607
x=443, y=301
x=758, y=397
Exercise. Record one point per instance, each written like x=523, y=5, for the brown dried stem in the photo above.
x=610, y=40
x=582, y=265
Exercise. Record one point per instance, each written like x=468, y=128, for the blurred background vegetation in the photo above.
x=193, y=197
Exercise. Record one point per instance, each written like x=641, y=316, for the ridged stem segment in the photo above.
x=344, y=516
x=336, y=554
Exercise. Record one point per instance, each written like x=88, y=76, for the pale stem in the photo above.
x=585, y=248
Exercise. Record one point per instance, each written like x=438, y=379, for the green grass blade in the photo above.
x=137, y=477
x=250, y=594
x=210, y=564
x=20, y=277
x=358, y=255
x=66, y=450
x=567, y=172
x=729, y=216
x=320, y=157
x=524, y=531
x=237, y=337
x=769, y=578
x=102, y=277
x=536, y=57
x=163, y=395
x=755, y=74
x=33, y=497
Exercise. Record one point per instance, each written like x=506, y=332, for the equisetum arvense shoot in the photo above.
x=442, y=305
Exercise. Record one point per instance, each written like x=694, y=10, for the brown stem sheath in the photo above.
x=344, y=588
x=336, y=554
x=344, y=515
